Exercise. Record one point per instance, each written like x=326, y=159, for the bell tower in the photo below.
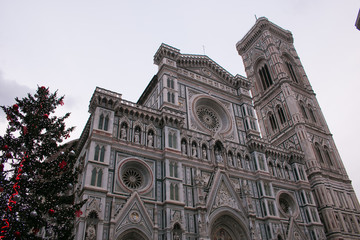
x=290, y=117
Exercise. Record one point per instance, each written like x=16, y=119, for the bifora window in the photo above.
x=265, y=77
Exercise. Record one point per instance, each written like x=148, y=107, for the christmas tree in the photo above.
x=37, y=172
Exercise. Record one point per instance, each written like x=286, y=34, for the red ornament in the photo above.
x=8, y=117
x=78, y=213
x=5, y=147
x=25, y=130
x=46, y=116
x=8, y=155
x=51, y=211
x=1, y=189
x=17, y=234
x=16, y=107
x=61, y=102
x=1, y=167
x=62, y=164
x=35, y=230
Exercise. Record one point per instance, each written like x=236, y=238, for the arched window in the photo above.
x=172, y=191
x=97, y=150
x=172, y=140
x=303, y=110
x=292, y=72
x=272, y=122
x=176, y=192
x=312, y=115
x=102, y=154
x=93, y=177
x=265, y=77
x=169, y=97
x=173, y=169
x=281, y=114
x=172, y=97
x=327, y=156
x=318, y=153
x=101, y=121
x=106, y=123
x=99, y=178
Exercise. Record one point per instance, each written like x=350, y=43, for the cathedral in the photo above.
x=206, y=155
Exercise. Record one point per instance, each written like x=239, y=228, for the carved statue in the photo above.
x=150, y=139
x=183, y=147
x=194, y=152
x=239, y=161
x=137, y=136
x=123, y=132
x=204, y=154
x=218, y=156
x=91, y=232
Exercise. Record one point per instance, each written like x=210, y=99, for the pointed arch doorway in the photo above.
x=133, y=234
x=227, y=228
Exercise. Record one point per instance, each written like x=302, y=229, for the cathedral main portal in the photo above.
x=227, y=228
x=134, y=234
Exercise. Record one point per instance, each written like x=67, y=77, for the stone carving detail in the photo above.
x=134, y=216
x=224, y=198
x=208, y=118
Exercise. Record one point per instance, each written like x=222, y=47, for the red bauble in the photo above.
x=78, y=213
x=46, y=116
x=51, y=211
x=8, y=155
x=16, y=107
x=1, y=189
x=25, y=130
x=5, y=147
x=1, y=167
x=35, y=230
x=43, y=87
x=17, y=234
x=62, y=164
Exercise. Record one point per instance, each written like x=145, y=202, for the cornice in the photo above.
x=255, y=32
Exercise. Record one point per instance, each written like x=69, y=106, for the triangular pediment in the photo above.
x=223, y=194
x=295, y=232
x=134, y=215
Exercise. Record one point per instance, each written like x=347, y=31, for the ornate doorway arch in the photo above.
x=226, y=227
x=133, y=234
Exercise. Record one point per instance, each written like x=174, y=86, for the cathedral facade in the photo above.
x=207, y=155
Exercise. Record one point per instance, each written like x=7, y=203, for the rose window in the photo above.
x=132, y=178
x=287, y=204
x=208, y=118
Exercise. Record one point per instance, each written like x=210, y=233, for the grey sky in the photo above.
x=74, y=46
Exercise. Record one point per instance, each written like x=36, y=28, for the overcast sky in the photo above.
x=76, y=45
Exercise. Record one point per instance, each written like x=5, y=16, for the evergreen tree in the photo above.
x=37, y=173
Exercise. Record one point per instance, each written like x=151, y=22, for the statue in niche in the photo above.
x=91, y=233
x=137, y=136
x=183, y=147
x=204, y=154
x=150, y=139
x=239, y=161
x=194, y=151
x=123, y=132
x=218, y=156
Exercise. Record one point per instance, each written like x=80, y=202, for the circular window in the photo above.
x=132, y=178
x=208, y=118
x=287, y=205
x=211, y=115
x=135, y=174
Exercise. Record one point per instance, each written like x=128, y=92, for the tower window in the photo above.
x=97, y=150
x=272, y=122
x=106, y=123
x=318, y=153
x=265, y=77
x=312, y=116
x=170, y=83
x=171, y=97
x=281, y=114
x=101, y=121
x=303, y=110
x=292, y=72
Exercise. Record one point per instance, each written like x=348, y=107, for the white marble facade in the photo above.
x=199, y=157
